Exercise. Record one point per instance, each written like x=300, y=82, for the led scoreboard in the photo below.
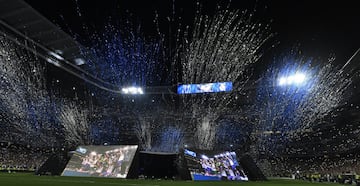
x=204, y=88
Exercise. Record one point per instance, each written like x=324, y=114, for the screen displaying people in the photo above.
x=204, y=88
x=101, y=161
x=218, y=166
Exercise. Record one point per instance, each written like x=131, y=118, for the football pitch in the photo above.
x=28, y=179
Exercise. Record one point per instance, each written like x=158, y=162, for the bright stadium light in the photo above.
x=296, y=79
x=132, y=90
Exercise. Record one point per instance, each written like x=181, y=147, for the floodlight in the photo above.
x=132, y=90
x=296, y=79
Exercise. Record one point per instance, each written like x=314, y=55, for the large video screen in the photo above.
x=101, y=161
x=204, y=88
x=214, y=166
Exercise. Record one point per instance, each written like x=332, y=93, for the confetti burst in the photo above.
x=220, y=48
x=122, y=56
x=170, y=137
x=285, y=112
x=29, y=113
x=74, y=117
x=162, y=131
x=143, y=130
x=25, y=104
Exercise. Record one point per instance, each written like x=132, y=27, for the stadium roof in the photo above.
x=21, y=18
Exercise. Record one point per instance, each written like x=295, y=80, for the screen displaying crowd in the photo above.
x=101, y=161
x=219, y=166
x=204, y=88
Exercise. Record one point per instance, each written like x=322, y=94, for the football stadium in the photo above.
x=179, y=92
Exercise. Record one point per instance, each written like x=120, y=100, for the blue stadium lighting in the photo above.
x=132, y=90
x=204, y=88
x=189, y=152
x=296, y=79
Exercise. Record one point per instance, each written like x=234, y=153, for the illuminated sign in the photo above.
x=204, y=88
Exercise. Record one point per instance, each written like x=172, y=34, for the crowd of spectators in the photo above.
x=343, y=169
x=14, y=157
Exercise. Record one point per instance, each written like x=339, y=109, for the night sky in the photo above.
x=318, y=29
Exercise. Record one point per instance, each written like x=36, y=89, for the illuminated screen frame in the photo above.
x=204, y=88
x=212, y=166
x=101, y=161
